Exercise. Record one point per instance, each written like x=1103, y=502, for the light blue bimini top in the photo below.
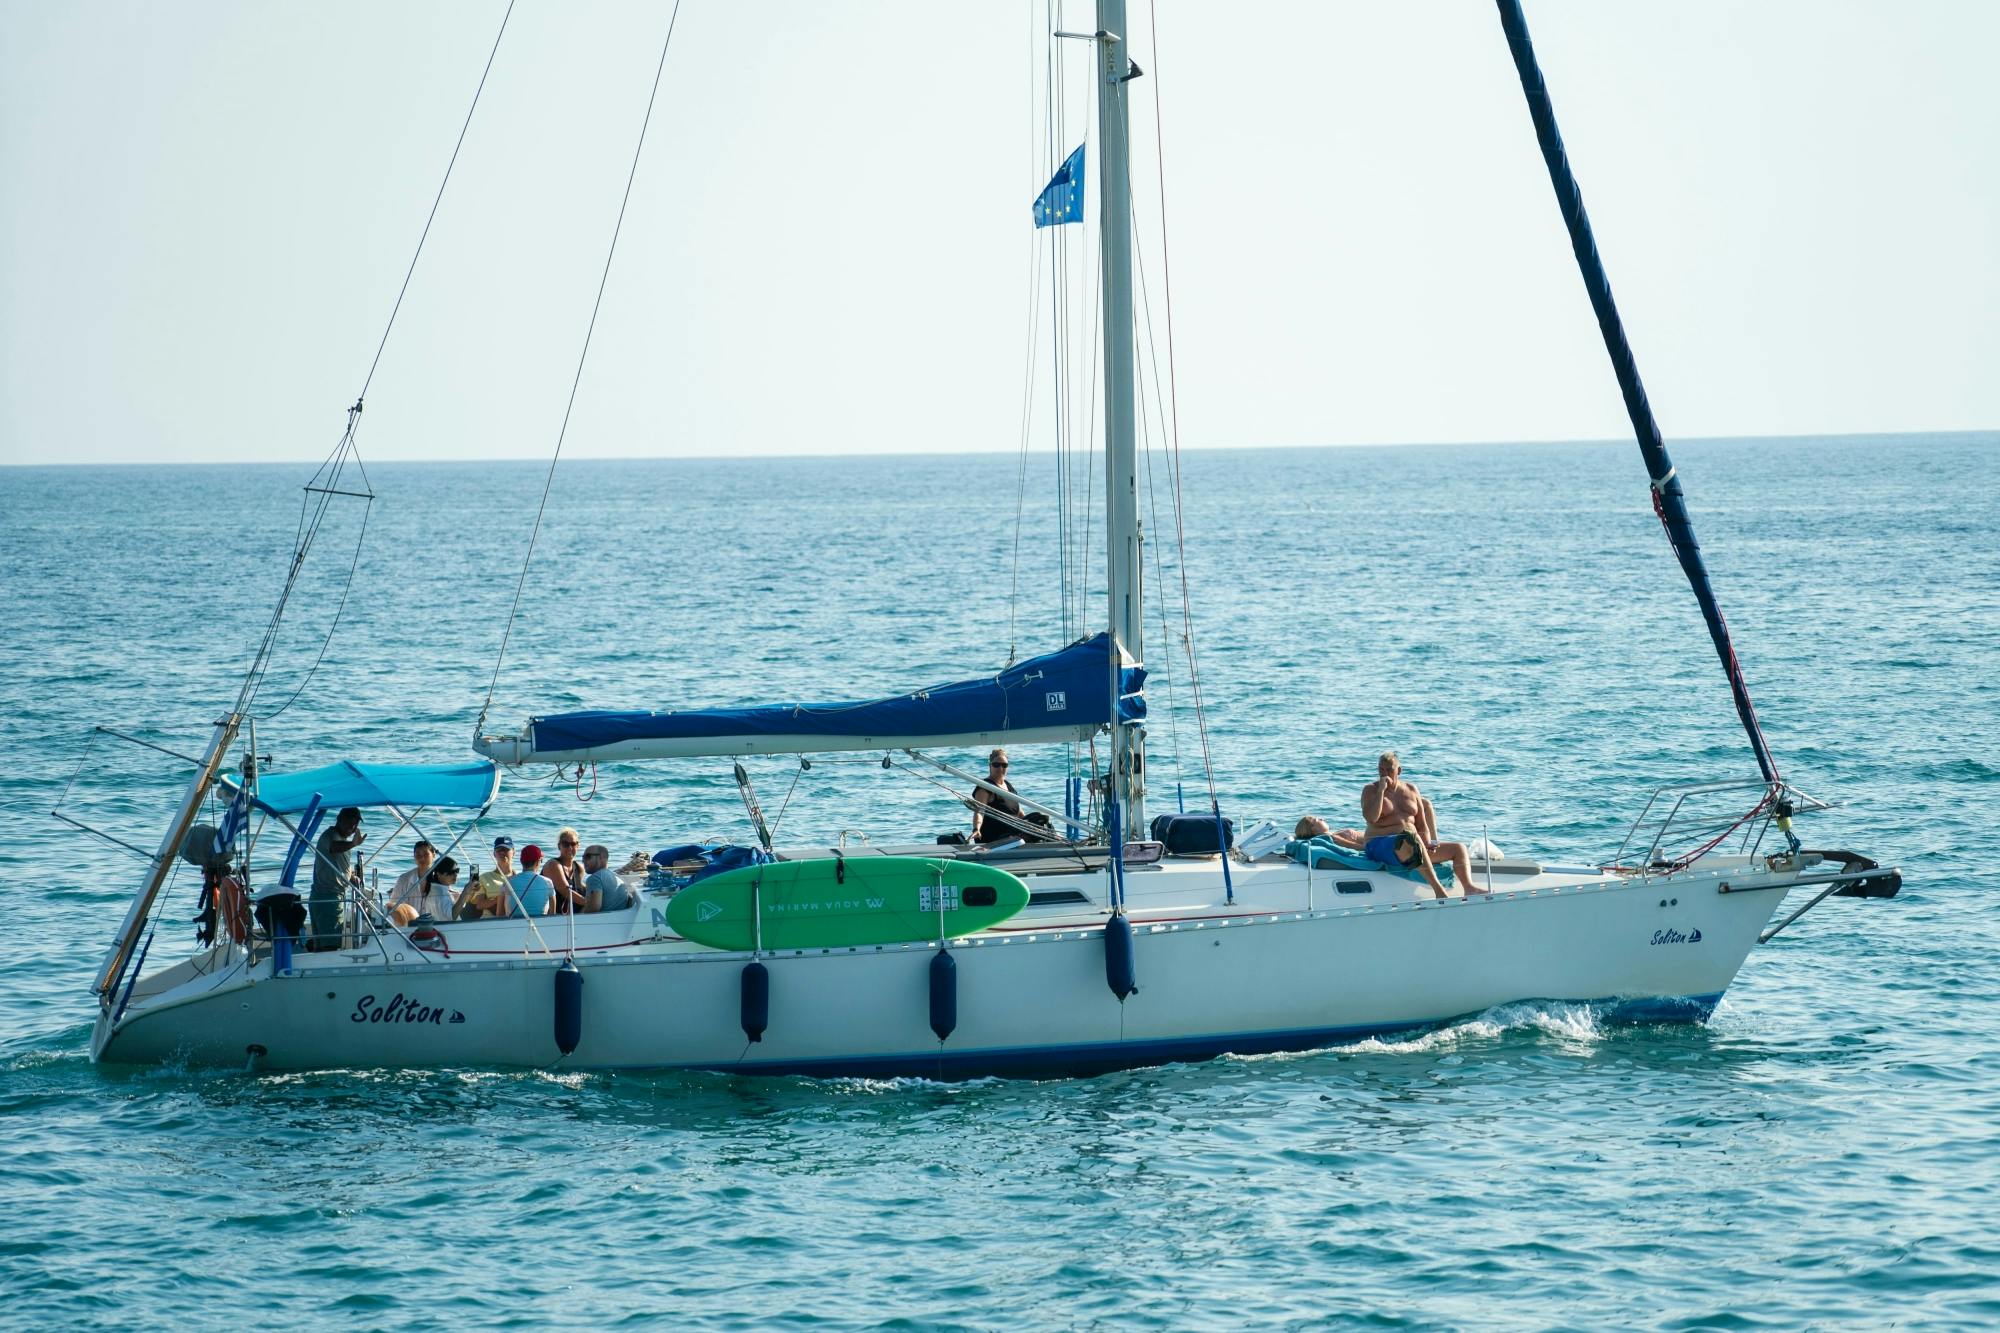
x=458, y=786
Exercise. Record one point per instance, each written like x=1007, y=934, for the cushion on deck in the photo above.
x=1314, y=852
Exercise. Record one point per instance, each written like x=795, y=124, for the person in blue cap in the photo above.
x=488, y=895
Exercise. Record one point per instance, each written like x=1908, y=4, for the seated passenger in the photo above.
x=603, y=891
x=528, y=894
x=1392, y=806
x=487, y=897
x=1403, y=849
x=566, y=874
x=988, y=831
x=404, y=892
x=433, y=898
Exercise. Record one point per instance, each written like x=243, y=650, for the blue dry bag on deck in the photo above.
x=698, y=861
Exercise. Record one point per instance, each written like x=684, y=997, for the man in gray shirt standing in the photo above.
x=333, y=869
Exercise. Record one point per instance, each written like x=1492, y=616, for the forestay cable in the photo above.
x=312, y=515
x=561, y=434
x=411, y=271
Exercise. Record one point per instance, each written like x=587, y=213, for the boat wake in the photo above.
x=1578, y=1024
x=1575, y=1026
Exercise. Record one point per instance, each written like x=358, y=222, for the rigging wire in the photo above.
x=1160, y=579
x=1174, y=413
x=1069, y=597
x=582, y=357
x=1159, y=401
x=786, y=804
x=339, y=609
x=1027, y=390
x=312, y=513
x=1053, y=120
x=88, y=746
x=312, y=516
x=1090, y=450
x=411, y=271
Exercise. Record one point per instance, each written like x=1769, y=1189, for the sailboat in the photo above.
x=1098, y=939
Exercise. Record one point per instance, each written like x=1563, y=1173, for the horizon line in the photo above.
x=1009, y=452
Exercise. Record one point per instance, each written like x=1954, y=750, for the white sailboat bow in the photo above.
x=1128, y=950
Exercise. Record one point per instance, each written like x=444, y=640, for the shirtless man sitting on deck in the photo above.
x=1392, y=806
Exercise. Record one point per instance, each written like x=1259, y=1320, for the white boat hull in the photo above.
x=1031, y=999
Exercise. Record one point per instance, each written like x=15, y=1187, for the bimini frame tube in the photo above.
x=1668, y=502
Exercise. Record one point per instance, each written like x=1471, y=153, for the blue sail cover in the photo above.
x=460, y=786
x=1059, y=696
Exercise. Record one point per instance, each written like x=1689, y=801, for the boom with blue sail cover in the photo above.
x=1668, y=502
x=1060, y=696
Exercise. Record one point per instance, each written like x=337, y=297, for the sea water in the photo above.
x=1822, y=1153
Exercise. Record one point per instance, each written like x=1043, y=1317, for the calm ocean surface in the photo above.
x=1826, y=1152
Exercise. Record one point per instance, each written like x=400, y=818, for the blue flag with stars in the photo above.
x=1061, y=200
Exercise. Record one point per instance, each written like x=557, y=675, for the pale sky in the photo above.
x=206, y=210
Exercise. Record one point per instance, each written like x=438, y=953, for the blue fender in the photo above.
x=569, y=1006
x=944, y=993
x=1120, y=971
x=756, y=1000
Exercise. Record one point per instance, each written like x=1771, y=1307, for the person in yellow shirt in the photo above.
x=487, y=898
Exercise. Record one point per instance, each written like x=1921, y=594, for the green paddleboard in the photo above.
x=840, y=902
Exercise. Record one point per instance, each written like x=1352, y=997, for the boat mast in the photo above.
x=1124, y=558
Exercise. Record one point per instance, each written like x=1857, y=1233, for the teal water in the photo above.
x=1821, y=1154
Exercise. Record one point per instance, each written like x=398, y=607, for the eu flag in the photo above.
x=1061, y=200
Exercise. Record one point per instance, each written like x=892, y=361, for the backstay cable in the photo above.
x=582, y=357
x=411, y=271
x=1027, y=385
x=1174, y=424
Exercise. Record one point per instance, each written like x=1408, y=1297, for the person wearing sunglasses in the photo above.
x=567, y=874
x=988, y=831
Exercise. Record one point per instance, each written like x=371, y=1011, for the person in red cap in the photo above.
x=529, y=894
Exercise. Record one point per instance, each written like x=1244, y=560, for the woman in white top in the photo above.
x=432, y=898
x=410, y=883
